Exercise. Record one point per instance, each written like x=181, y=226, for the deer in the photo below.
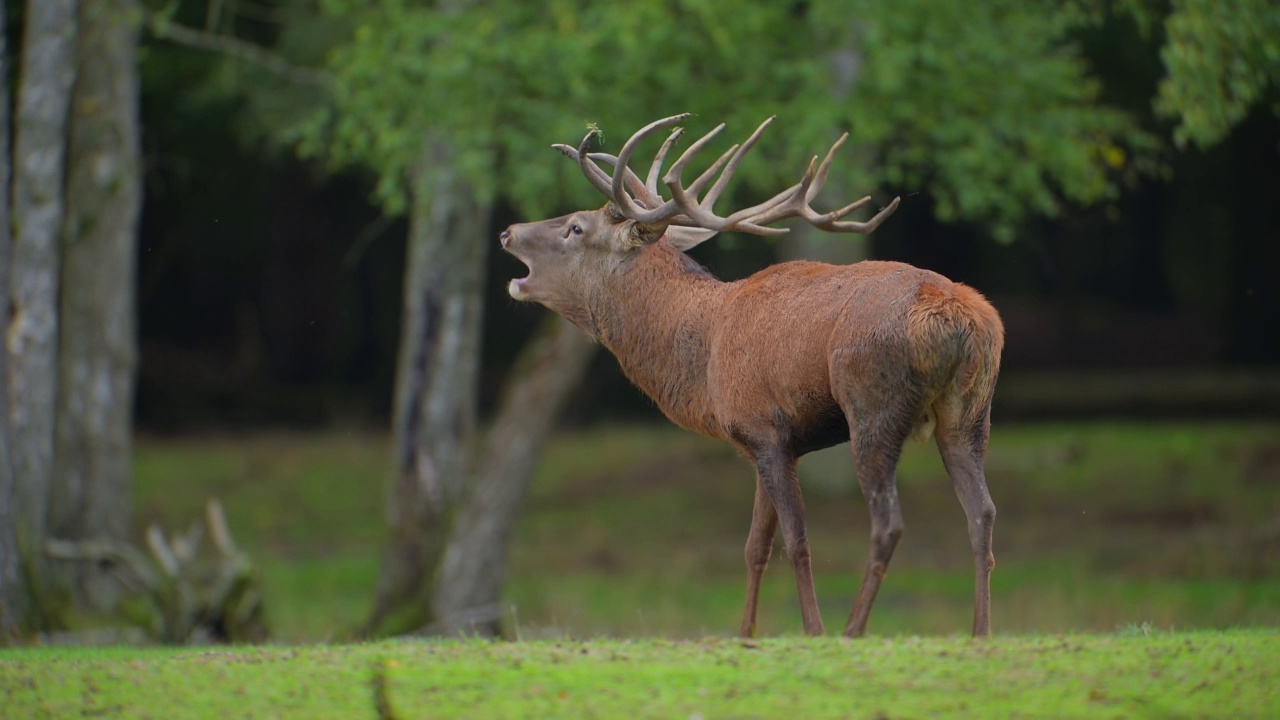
x=795, y=358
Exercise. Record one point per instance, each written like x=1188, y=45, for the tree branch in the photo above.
x=241, y=49
x=110, y=550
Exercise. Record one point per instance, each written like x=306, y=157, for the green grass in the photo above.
x=638, y=531
x=1138, y=575
x=1135, y=673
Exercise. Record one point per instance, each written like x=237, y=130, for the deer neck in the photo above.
x=656, y=319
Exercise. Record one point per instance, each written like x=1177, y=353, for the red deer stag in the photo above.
x=798, y=357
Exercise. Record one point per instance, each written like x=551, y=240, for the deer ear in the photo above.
x=646, y=233
x=684, y=238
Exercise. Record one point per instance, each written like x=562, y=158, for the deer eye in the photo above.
x=576, y=229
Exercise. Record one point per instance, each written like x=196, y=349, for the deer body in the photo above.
x=798, y=357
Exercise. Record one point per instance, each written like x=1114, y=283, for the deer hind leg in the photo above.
x=764, y=524
x=778, y=479
x=877, y=444
x=963, y=445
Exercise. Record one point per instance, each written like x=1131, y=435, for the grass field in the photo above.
x=638, y=531
x=1138, y=575
x=1229, y=674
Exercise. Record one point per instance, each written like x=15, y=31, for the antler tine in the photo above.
x=673, y=175
x=608, y=186
x=792, y=202
x=685, y=210
x=795, y=203
x=743, y=219
x=655, y=169
x=828, y=218
x=714, y=193
x=700, y=212
x=649, y=187
x=867, y=227
x=594, y=175
x=662, y=209
x=620, y=197
x=821, y=178
x=711, y=171
x=633, y=181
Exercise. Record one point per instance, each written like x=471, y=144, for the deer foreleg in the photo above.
x=778, y=477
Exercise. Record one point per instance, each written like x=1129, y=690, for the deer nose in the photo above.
x=505, y=237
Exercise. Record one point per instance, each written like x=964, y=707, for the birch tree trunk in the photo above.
x=452, y=508
x=11, y=594
x=48, y=69
x=98, y=346
x=434, y=413
x=474, y=567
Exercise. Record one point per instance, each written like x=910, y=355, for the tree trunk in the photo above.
x=48, y=68
x=474, y=566
x=98, y=347
x=451, y=512
x=11, y=594
x=435, y=396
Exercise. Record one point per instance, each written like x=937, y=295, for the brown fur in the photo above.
x=797, y=357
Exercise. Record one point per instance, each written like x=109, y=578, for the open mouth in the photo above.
x=518, y=288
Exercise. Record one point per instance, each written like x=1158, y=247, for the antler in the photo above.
x=684, y=210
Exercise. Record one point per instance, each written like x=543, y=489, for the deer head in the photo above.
x=570, y=255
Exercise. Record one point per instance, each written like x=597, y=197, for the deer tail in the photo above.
x=956, y=340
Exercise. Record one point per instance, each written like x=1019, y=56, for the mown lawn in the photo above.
x=1135, y=673
x=638, y=531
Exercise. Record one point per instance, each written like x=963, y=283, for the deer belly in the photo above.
x=819, y=428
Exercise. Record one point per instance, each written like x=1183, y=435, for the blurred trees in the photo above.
x=990, y=108
x=72, y=179
x=12, y=591
x=989, y=115
x=991, y=111
x=453, y=104
x=455, y=492
x=1222, y=57
x=39, y=150
x=97, y=345
x=434, y=406
x=257, y=307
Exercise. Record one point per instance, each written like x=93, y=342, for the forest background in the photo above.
x=233, y=218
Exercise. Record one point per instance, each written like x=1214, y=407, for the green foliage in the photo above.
x=1162, y=674
x=1222, y=57
x=988, y=107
